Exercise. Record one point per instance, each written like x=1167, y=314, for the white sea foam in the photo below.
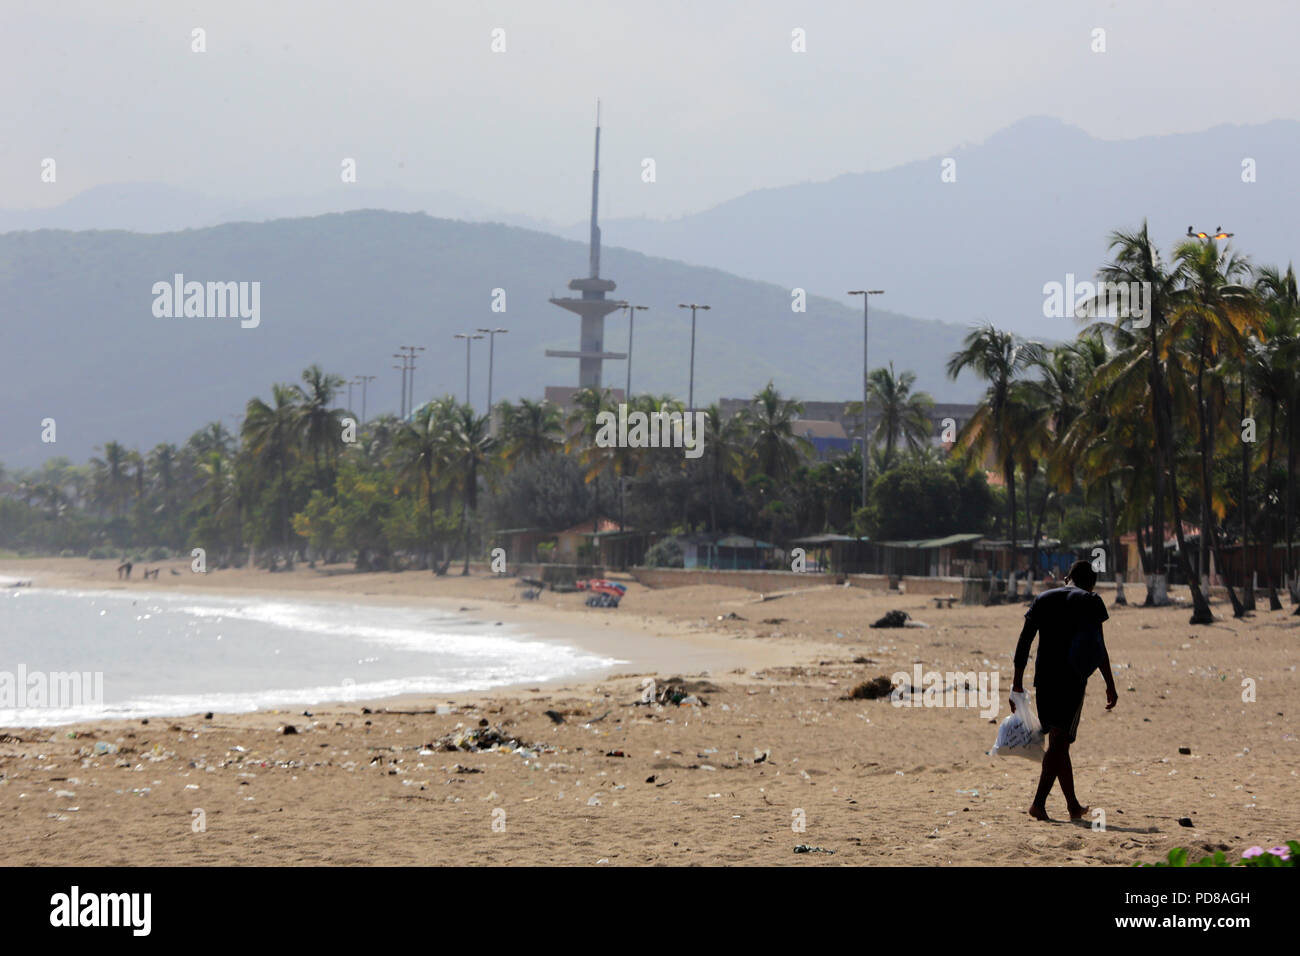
x=168, y=654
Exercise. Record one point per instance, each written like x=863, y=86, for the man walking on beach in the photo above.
x=1070, y=647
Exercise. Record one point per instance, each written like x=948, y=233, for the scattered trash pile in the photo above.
x=676, y=690
x=678, y=694
x=487, y=740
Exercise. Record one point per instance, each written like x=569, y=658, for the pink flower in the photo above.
x=1281, y=851
x=1253, y=851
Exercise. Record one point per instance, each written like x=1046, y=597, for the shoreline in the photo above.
x=645, y=644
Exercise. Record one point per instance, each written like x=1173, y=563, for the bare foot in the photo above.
x=1078, y=812
x=1039, y=813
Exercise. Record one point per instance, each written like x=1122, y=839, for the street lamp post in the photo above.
x=690, y=399
x=631, y=311
x=410, y=403
x=468, y=339
x=492, y=343
x=401, y=402
x=866, y=299
x=364, y=380
x=1217, y=234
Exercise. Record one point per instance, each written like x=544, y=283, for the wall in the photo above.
x=788, y=580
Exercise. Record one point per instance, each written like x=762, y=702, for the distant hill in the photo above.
x=1033, y=202
x=81, y=344
x=158, y=207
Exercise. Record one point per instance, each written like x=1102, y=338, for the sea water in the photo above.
x=167, y=653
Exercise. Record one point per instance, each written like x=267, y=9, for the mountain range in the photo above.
x=968, y=237
x=1030, y=205
x=83, y=345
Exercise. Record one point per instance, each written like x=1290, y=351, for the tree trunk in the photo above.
x=1289, y=564
x=1210, y=532
x=464, y=520
x=1113, y=538
x=1145, y=561
x=713, y=509
x=1009, y=472
x=1038, y=525
x=1274, y=603
x=1162, y=402
x=433, y=536
x=1157, y=579
x=1247, y=584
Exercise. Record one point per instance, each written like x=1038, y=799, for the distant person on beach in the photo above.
x=1071, y=646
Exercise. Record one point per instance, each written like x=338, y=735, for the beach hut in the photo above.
x=725, y=552
x=520, y=544
x=955, y=555
x=837, y=553
x=575, y=545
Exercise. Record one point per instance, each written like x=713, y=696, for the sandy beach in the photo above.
x=779, y=757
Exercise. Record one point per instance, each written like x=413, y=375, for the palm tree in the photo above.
x=725, y=443
x=1275, y=380
x=1052, y=402
x=110, y=479
x=999, y=358
x=213, y=436
x=1103, y=446
x=376, y=439
x=770, y=421
x=1214, y=312
x=136, y=461
x=904, y=416
x=583, y=427
x=162, y=464
x=270, y=434
x=529, y=430
x=320, y=426
x=1134, y=259
x=223, y=498
x=469, y=450
x=420, y=451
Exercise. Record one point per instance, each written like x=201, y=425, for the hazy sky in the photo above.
x=712, y=91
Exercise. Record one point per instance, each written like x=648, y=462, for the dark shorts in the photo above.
x=1060, y=705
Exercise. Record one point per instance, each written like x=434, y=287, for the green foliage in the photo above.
x=1254, y=857
x=923, y=499
x=665, y=553
x=1076, y=433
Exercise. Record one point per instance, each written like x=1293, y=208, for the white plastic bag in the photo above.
x=1020, y=735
